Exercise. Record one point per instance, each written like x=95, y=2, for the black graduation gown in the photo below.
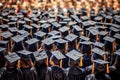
x=86, y=60
x=2, y=60
x=75, y=74
x=29, y=73
x=55, y=73
x=93, y=77
x=41, y=72
x=11, y=74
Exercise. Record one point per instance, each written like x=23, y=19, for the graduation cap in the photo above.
x=40, y=55
x=48, y=43
x=84, y=18
x=99, y=44
x=109, y=39
x=100, y=52
x=117, y=38
x=108, y=19
x=86, y=46
x=77, y=30
x=13, y=30
x=64, y=30
x=28, y=21
x=20, y=24
x=54, y=32
x=35, y=27
x=4, y=44
x=40, y=35
x=29, y=29
x=24, y=54
x=32, y=44
x=17, y=38
x=71, y=24
x=75, y=55
x=12, y=57
x=84, y=38
x=13, y=19
x=93, y=34
x=63, y=23
x=113, y=30
x=4, y=27
x=117, y=52
x=101, y=62
x=35, y=20
x=102, y=34
x=2, y=50
x=72, y=39
x=42, y=22
x=109, y=43
x=51, y=20
x=45, y=27
x=60, y=43
x=12, y=24
x=55, y=25
x=98, y=19
x=57, y=56
x=66, y=20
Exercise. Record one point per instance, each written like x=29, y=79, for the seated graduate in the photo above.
x=41, y=59
x=98, y=70
x=55, y=72
x=74, y=72
x=11, y=71
x=115, y=68
x=2, y=58
x=27, y=66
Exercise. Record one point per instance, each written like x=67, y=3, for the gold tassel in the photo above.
x=66, y=47
x=47, y=62
x=93, y=67
x=104, y=57
x=107, y=68
x=61, y=63
x=18, y=64
x=11, y=41
x=97, y=39
x=37, y=46
x=31, y=32
x=81, y=63
x=113, y=46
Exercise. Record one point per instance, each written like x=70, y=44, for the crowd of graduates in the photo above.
x=46, y=41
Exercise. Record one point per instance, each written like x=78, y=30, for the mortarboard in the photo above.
x=64, y=30
x=72, y=39
x=84, y=18
x=109, y=39
x=63, y=23
x=108, y=19
x=117, y=38
x=6, y=34
x=101, y=62
x=113, y=30
x=35, y=27
x=2, y=49
x=28, y=28
x=99, y=44
x=98, y=19
x=24, y=54
x=12, y=57
x=35, y=20
x=13, y=19
x=12, y=24
x=71, y=24
x=75, y=55
x=58, y=56
x=60, y=43
x=117, y=52
x=66, y=20
x=116, y=26
x=32, y=42
x=48, y=43
x=4, y=27
x=51, y=20
x=40, y=55
x=55, y=25
x=40, y=35
x=42, y=22
x=45, y=27
x=103, y=33
x=13, y=29
x=28, y=21
x=54, y=32
x=4, y=43
x=84, y=38
x=77, y=30
x=20, y=24
x=17, y=38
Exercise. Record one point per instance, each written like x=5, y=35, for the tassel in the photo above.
x=113, y=46
x=47, y=62
x=93, y=67
x=18, y=64
x=107, y=68
x=66, y=47
x=104, y=57
x=61, y=63
x=31, y=32
x=69, y=62
x=97, y=39
x=81, y=63
x=10, y=41
x=37, y=46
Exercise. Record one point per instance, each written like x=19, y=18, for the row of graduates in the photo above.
x=62, y=36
